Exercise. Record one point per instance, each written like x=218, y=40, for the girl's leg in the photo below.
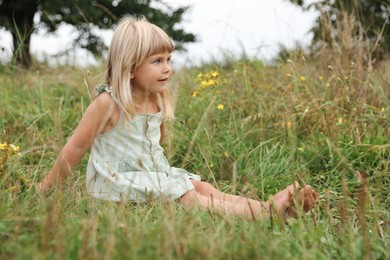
x=210, y=198
x=304, y=198
x=209, y=190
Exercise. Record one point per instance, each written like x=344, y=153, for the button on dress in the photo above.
x=128, y=163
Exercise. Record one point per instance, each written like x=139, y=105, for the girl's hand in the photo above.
x=41, y=188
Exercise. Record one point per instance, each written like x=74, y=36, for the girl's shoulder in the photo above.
x=104, y=95
x=104, y=100
x=108, y=110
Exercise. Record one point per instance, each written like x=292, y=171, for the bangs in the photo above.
x=159, y=42
x=135, y=40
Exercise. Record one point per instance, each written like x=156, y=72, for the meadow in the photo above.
x=247, y=127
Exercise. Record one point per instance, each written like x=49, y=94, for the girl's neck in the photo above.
x=146, y=104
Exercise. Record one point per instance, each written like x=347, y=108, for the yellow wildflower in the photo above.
x=8, y=148
x=199, y=76
x=203, y=84
x=211, y=82
x=303, y=78
x=15, y=148
x=207, y=81
x=214, y=73
x=220, y=107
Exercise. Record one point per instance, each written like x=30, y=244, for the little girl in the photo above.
x=124, y=127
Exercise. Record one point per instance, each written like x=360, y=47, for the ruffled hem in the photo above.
x=136, y=184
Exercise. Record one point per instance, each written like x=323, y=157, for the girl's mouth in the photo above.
x=163, y=80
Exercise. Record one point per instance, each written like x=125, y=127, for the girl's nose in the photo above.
x=167, y=67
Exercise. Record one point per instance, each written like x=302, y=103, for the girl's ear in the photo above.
x=132, y=73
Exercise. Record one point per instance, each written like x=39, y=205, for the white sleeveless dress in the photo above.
x=128, y=163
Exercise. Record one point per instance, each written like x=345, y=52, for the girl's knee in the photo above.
x=195, y=182
x=193, y=198
x=189, y=197
x=204, y=188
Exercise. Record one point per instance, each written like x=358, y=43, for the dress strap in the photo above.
x=105, y=88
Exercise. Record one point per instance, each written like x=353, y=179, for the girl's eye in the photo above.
x=157, y=61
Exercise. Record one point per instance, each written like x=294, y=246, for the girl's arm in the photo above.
x=92, y=123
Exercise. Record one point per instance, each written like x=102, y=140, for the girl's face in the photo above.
x=153, y=74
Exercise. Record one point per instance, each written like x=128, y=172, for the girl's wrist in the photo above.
x=43, y=186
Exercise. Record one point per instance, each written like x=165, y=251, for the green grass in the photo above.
x=299, y=120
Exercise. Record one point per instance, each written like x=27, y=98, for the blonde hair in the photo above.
x=133, y=41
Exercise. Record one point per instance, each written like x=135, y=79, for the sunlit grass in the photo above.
x=246, y=127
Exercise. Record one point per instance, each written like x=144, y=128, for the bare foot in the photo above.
x=282, y=200
x=304, y=200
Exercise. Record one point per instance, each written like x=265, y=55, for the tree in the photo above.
x=368, y=21
x=86, y=16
